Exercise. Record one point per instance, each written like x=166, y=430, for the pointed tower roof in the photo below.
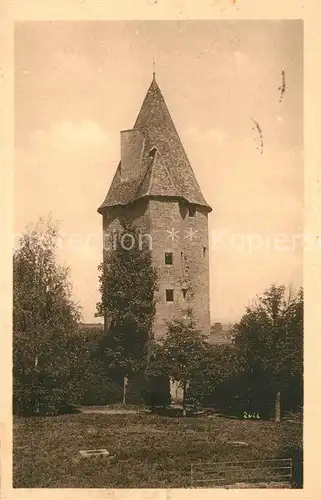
x=165, y=169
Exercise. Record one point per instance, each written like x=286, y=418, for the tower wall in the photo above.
x=170, y=229
x=137, y=213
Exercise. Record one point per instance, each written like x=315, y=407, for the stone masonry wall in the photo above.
x=172, y=230
x=137, y=213
x=190, y=268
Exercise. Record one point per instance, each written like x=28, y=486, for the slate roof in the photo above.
x=165, y=169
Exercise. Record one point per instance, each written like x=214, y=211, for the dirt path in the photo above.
x=107, y=410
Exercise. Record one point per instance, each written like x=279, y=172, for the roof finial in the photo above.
x=153, y=69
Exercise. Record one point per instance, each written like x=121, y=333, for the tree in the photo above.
x=180, y=353
x=217, y=367
x=89, y=377
x=128, y=282
x=44, y=317
x=269, y=341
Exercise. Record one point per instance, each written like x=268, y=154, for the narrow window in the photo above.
x=183, y=258
x=168, y=258
x=204, y=251
x=184, y=293
x=170, y=295
x=191, y=210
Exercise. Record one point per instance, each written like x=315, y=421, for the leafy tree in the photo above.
x=128, y=282
x=44, y=317
x=180, y=353
x=269, y=342
x=216, y=368
x=89, y=377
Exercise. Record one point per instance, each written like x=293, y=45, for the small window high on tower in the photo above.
x=168, y=258
x=170, y=295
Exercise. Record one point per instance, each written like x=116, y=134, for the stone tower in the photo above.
x=155, y=187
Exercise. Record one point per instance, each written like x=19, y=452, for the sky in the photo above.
x=77, y=84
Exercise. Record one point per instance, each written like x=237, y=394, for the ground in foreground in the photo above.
x=148, y=451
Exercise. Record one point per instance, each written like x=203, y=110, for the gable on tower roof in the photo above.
x=164, y=168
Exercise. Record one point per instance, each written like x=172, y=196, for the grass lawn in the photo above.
x=149, y=451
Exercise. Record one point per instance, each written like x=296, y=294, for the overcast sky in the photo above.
x=79, y=83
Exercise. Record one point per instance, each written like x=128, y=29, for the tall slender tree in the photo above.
x=180, y=353
x=128, y=282
x=44, y=318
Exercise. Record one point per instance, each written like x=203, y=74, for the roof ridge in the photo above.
x=145, y=98
x=180, y=141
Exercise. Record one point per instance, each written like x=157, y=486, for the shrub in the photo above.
x=157, y=392
x=33, y=397
x=101, y=391
x=90, y=382
x=40, y=382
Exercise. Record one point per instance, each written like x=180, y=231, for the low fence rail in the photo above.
x=216, y=474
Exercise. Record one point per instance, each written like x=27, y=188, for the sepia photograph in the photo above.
x=158, y=254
